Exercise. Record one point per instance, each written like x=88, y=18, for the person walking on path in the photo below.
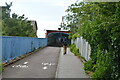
x=64, y=43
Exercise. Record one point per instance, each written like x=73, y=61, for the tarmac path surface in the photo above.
x=41, y=64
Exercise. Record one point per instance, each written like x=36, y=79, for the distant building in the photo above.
x=34, y=24
x=4, y=11
x=51, y=31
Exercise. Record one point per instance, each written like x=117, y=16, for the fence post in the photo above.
x=86, y=51
x=84, y=47
x=81, y=46
x=89, y=51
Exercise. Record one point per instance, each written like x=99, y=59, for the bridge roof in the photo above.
x=53, y=31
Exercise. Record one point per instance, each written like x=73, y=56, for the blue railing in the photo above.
x=13, y=47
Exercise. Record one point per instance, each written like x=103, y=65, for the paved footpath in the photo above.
x=70, y=66
x=47, y=63
x=42, y=64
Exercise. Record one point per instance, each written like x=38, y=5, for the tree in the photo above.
x=15, y=25
x=6, y=11
x=98, y=23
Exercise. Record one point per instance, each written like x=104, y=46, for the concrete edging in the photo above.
x=57, y=70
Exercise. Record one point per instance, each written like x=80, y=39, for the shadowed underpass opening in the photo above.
x=54, y=39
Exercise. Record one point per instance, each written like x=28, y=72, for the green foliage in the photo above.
x=99, y=24
x=88, y=66
x=1, y=67
x=15, y=25
x=6, y=11
x=74, y=49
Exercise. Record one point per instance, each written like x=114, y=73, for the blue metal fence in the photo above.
x=13, y=47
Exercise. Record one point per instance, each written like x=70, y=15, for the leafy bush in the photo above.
x=88, y=66
x=99, y=24
x=74, y=49
x=102, y=72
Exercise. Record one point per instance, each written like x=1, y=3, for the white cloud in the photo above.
x=47, y=13
x=46, y=25
x=60, y=4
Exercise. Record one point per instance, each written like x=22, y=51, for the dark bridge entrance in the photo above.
x=54, y=39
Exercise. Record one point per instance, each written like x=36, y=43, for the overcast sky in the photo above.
x=47, y=13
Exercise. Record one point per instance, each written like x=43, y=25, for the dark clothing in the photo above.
x=64, y=42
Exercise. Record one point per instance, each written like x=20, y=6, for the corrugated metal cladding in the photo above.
x=13, y=47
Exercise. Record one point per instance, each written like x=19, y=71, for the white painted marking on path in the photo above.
x=45, y=67
x=20, y=66
x=25, y=63
x=49, y=64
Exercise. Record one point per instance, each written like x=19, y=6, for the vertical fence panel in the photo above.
x=83, y=46
x=81, y=42
x=13, y=47
x=86, y=55
x=89, y=51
